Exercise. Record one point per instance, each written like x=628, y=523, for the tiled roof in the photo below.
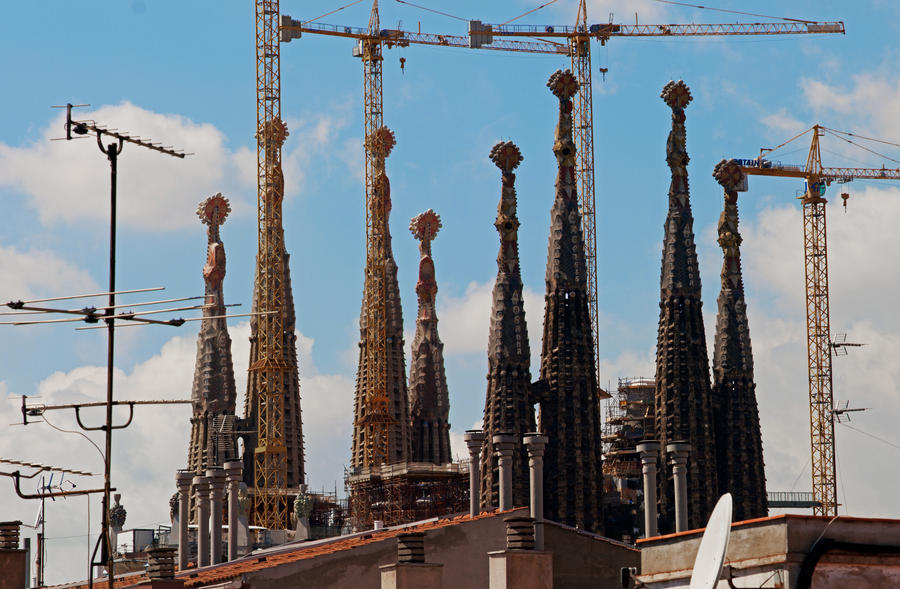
x=199, y=577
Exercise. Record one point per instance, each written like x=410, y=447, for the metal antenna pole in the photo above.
x=112, y=152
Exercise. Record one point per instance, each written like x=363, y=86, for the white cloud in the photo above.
x=782, y=121
x=155, y=191
x=147, y=453
x=33, y=273
x=465, y=321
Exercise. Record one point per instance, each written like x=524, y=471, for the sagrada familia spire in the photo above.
x=570, y=408
x=392, y=359
x=738, y=438
x=684, y=410
x=213, y=394
x=508, y=407
x=280, y=279
x=429, y=402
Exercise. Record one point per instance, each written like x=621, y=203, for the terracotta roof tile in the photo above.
x=275, y=556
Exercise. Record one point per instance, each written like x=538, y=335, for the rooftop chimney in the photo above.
x=678, y=456
x=411, y=570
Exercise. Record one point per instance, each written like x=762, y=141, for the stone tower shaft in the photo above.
x=570, y=408
x=213, y=393
x=381, y=407
x=509, y=407
x=738, y=438
x=683, y=397
x=429, y=401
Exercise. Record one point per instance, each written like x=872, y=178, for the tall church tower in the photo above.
x=738, y=438
x=570, y=407
x=382, y=363
x=429, y=402
x=684, y=409
x=508, y=406
x=213, y=394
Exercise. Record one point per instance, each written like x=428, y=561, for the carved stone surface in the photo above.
x=508, y=406
x=738, y=439
x=381, y=144
x=213, y=394
x=429, y=402
x=568, y=393
x=275, y=134
x=683, y=395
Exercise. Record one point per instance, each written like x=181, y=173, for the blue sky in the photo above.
x=183, y=73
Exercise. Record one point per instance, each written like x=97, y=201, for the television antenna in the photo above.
x=840, y=344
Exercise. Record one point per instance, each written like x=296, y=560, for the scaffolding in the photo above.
x=405, y=492
x=630, y=416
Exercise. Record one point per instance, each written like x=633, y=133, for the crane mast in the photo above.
x=270, y=455
x=818, y=313
x=580, y=51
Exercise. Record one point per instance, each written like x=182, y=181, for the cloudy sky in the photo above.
x=183, y=74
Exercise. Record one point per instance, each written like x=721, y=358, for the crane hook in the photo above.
x=403, y=65
x=845, y=196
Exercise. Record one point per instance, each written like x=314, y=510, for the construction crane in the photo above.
x=818, y=324
x=270, y=457
x=372, y=41
x=578, y=40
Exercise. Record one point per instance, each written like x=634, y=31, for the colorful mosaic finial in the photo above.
x=506, y=156
x=563, y=84
x=676, y=94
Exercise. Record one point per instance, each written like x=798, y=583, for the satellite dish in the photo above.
x=713, y=545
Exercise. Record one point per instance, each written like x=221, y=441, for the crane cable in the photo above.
x=866, y=148
x=734, y=11
x=797, y=136
x=432, y=10
x=332, y=12
x=862, y=137
x=527, y=13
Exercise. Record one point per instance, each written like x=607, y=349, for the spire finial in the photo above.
x=506, y=156
x=563, y=84
x=381, y=142
x=214, y=210
x=676, y=94
x=728, y=174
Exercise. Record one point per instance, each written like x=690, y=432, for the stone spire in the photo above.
x=381, y=142
x=738, y=438
x=570, y=408
x=213, y=393
x=290, y=385
x=508, y=406
x=683, y=397
x=429, y=402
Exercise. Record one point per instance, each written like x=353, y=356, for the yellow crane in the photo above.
x=270, y=508
x=818, y=323
x=372, y=40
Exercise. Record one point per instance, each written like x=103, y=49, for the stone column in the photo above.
x=535, y=442
x=649, y=451
x=233, y=475
x=474, y=439
x=201, y=490
x=504, y=446
x=183, y=482
x=216, y=477
x=678, y=456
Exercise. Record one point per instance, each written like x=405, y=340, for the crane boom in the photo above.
x=373, y=39
x=818, y=314
x=603, y=32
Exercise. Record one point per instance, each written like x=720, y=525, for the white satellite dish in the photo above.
x=713, y=545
